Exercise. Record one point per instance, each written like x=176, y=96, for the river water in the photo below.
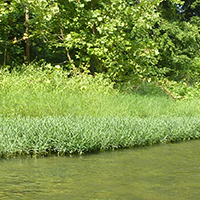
x=163, y=172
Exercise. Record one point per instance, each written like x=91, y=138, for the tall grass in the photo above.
x=72, y=134
x=40, y=93
x=44, y=111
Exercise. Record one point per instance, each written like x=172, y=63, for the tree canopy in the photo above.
x=128, y=40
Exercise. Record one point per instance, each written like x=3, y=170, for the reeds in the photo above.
x=70, y=134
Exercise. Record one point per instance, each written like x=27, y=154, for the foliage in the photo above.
x=43, y=111
x=130, y=41
x=180, y=90
x=72, y=134
x=10, y=15
x=189, y=9
x=147, y=49
x=49, y=91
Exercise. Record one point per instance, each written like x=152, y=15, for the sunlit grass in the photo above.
x=70, y=134
x=44, y=112
x=39, y=93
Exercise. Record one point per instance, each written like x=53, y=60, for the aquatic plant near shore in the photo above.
x=73, y=134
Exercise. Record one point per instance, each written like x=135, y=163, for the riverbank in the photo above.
x=73, y=134
x=43, y=111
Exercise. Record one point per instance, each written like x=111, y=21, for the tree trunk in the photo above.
x=62, y=38
x=27, y=35
x=94, y=30
x=5, y=56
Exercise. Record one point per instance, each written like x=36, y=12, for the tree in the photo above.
x=128, y=40
x=10, y=31
x=189, y=9
x=17, y=32
x=27, y=35
x=179, y=40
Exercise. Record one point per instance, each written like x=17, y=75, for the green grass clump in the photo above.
x=70, y=134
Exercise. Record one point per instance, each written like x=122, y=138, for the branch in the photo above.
x=62, y=38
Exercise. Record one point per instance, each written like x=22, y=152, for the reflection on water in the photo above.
x=162, y=172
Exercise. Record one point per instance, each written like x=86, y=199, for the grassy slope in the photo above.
x=44, y=112
x=40, y=94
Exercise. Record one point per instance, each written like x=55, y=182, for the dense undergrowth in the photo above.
x=43, y=111
x=39, y=92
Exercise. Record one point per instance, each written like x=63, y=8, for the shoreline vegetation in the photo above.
x=78, y=134
x=85, y=75
x=44, y=112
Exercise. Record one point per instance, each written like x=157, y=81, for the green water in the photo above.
x=163, y=172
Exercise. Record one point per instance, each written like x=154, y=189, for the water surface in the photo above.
x=164, y=172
